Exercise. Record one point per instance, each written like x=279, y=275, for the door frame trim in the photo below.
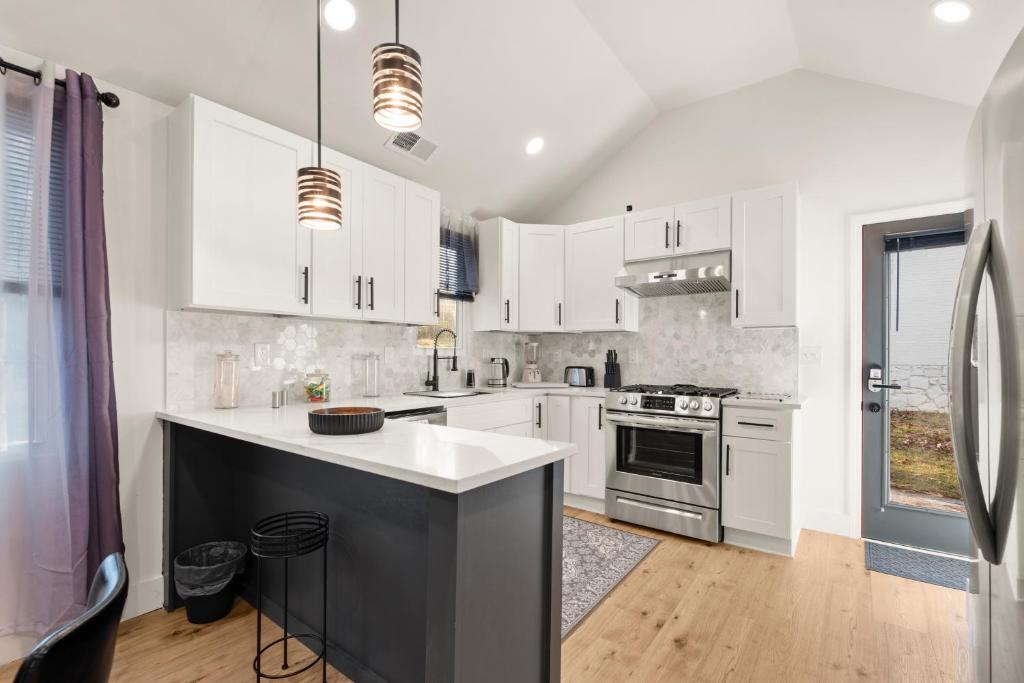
x=855, y=454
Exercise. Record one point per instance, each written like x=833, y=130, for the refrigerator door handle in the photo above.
x=990, y=526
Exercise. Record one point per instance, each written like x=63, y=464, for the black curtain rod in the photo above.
x=107, y=98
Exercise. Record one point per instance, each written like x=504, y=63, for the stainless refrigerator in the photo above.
x=985, y=377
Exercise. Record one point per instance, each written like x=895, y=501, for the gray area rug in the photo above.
x=909, y=563
x=595, y=559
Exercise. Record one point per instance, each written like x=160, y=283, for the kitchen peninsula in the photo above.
x=444, y=559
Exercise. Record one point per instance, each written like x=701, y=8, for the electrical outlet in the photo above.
x=810, y=355
x=261, y=355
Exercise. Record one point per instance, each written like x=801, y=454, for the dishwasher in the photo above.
x=434, y=415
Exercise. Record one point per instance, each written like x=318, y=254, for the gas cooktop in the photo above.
x=677, y=390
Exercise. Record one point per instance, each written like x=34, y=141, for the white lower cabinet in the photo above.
x=588, y=434
x=759, y=483
x=559, y=428
x=519, y=429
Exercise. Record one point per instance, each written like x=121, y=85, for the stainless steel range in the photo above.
x=663, y=457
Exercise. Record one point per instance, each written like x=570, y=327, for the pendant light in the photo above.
x=319, y=188
x=397, y=85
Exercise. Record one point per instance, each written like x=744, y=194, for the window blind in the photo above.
x=458, y=265
x=18, y=147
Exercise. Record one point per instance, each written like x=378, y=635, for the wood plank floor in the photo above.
x=689, y=612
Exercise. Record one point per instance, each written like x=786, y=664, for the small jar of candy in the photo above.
x=318, y=386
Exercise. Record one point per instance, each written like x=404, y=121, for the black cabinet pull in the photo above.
x=539, y=426
x=559, y=315
x=616, y=310
x=755, y=424
x=728, y=452
x=369, y=283
x=737, y=304
x=667, y=243
x=437, y=303
x=305, y=285
x=600, y=414
x=507, y=316
x=359, y=292
x=679, y=227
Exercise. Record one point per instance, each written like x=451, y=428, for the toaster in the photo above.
x=579, y=376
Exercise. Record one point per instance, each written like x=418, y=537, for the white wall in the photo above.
x=135, y=175
x=853, y=148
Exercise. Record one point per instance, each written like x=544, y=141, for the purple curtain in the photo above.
x=94, y=505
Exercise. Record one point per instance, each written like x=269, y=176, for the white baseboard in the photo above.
x=828, y=522
x=584, y=503
x=766, y=544
x=144, y=596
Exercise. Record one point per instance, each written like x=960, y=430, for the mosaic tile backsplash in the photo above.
x=299, y=345
x=684, y=339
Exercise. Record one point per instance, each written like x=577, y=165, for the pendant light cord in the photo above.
x=396, y=22
x=319, y=152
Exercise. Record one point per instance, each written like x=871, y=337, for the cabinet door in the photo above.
x=703, y=225
x=560, y=429
x=649, y=234
x=756, y=486
x=249, y=251
x=335, y=284
x=764, y=226
x=383, y=245
x=541, y=278
x=422, y=253
x=593, y=258
x=588, y=434
x=540, y=417
x=508, y=253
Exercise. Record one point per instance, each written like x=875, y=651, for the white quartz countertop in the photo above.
x=765, y=401
x=443, y=458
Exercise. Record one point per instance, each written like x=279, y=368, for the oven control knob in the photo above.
x=708, y=405
x=694, y=404
x=623, y=400
x=633, y=400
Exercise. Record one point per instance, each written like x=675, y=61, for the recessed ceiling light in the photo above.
x=340, y=14
x=535, y=145
x=952, y=11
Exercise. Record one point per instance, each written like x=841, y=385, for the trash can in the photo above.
x=202, y=577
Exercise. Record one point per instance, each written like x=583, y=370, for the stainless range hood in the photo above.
x=693, y=274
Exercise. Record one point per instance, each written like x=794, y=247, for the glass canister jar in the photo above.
x=318, y=386
x=225, y=380
x=372, y=384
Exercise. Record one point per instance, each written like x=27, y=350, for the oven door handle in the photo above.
x=673, y=424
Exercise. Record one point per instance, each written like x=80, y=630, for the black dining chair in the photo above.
x=82, y=650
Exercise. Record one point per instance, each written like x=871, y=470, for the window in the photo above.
x=449, y=318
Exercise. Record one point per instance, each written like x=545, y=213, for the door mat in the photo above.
x=910, y=563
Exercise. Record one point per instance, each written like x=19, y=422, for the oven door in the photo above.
x=672, y=458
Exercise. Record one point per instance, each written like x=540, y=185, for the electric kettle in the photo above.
x=499, y=373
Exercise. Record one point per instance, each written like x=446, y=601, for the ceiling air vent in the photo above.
x=411, y=145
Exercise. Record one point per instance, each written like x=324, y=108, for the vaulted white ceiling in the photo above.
x=585, y=74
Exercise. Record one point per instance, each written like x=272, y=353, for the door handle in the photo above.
x=359, y=292
x=369, y=283
x=305, y=285
x=679, y=226
x=667, y=243
x=990, y=524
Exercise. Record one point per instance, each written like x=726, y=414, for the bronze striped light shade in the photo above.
x=397, y=87
x=319, y=198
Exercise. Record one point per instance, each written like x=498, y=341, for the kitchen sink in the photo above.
x=445, y=394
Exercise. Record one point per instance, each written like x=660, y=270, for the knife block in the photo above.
x=612, y=376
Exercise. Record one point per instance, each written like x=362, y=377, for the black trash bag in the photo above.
x=208, y=568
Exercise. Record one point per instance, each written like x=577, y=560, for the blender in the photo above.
x=531, y=373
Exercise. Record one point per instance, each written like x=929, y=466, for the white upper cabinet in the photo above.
x=703, y=225
x=649, y=234
x=422, y=253
x=383, y=245
x=593, y=257
x=234, y=237
x=496, y=305
x=764, y=224
x=541, y=278
x=336, y=276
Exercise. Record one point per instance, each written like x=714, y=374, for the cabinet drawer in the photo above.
x=758, y=423
x=491, y=415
